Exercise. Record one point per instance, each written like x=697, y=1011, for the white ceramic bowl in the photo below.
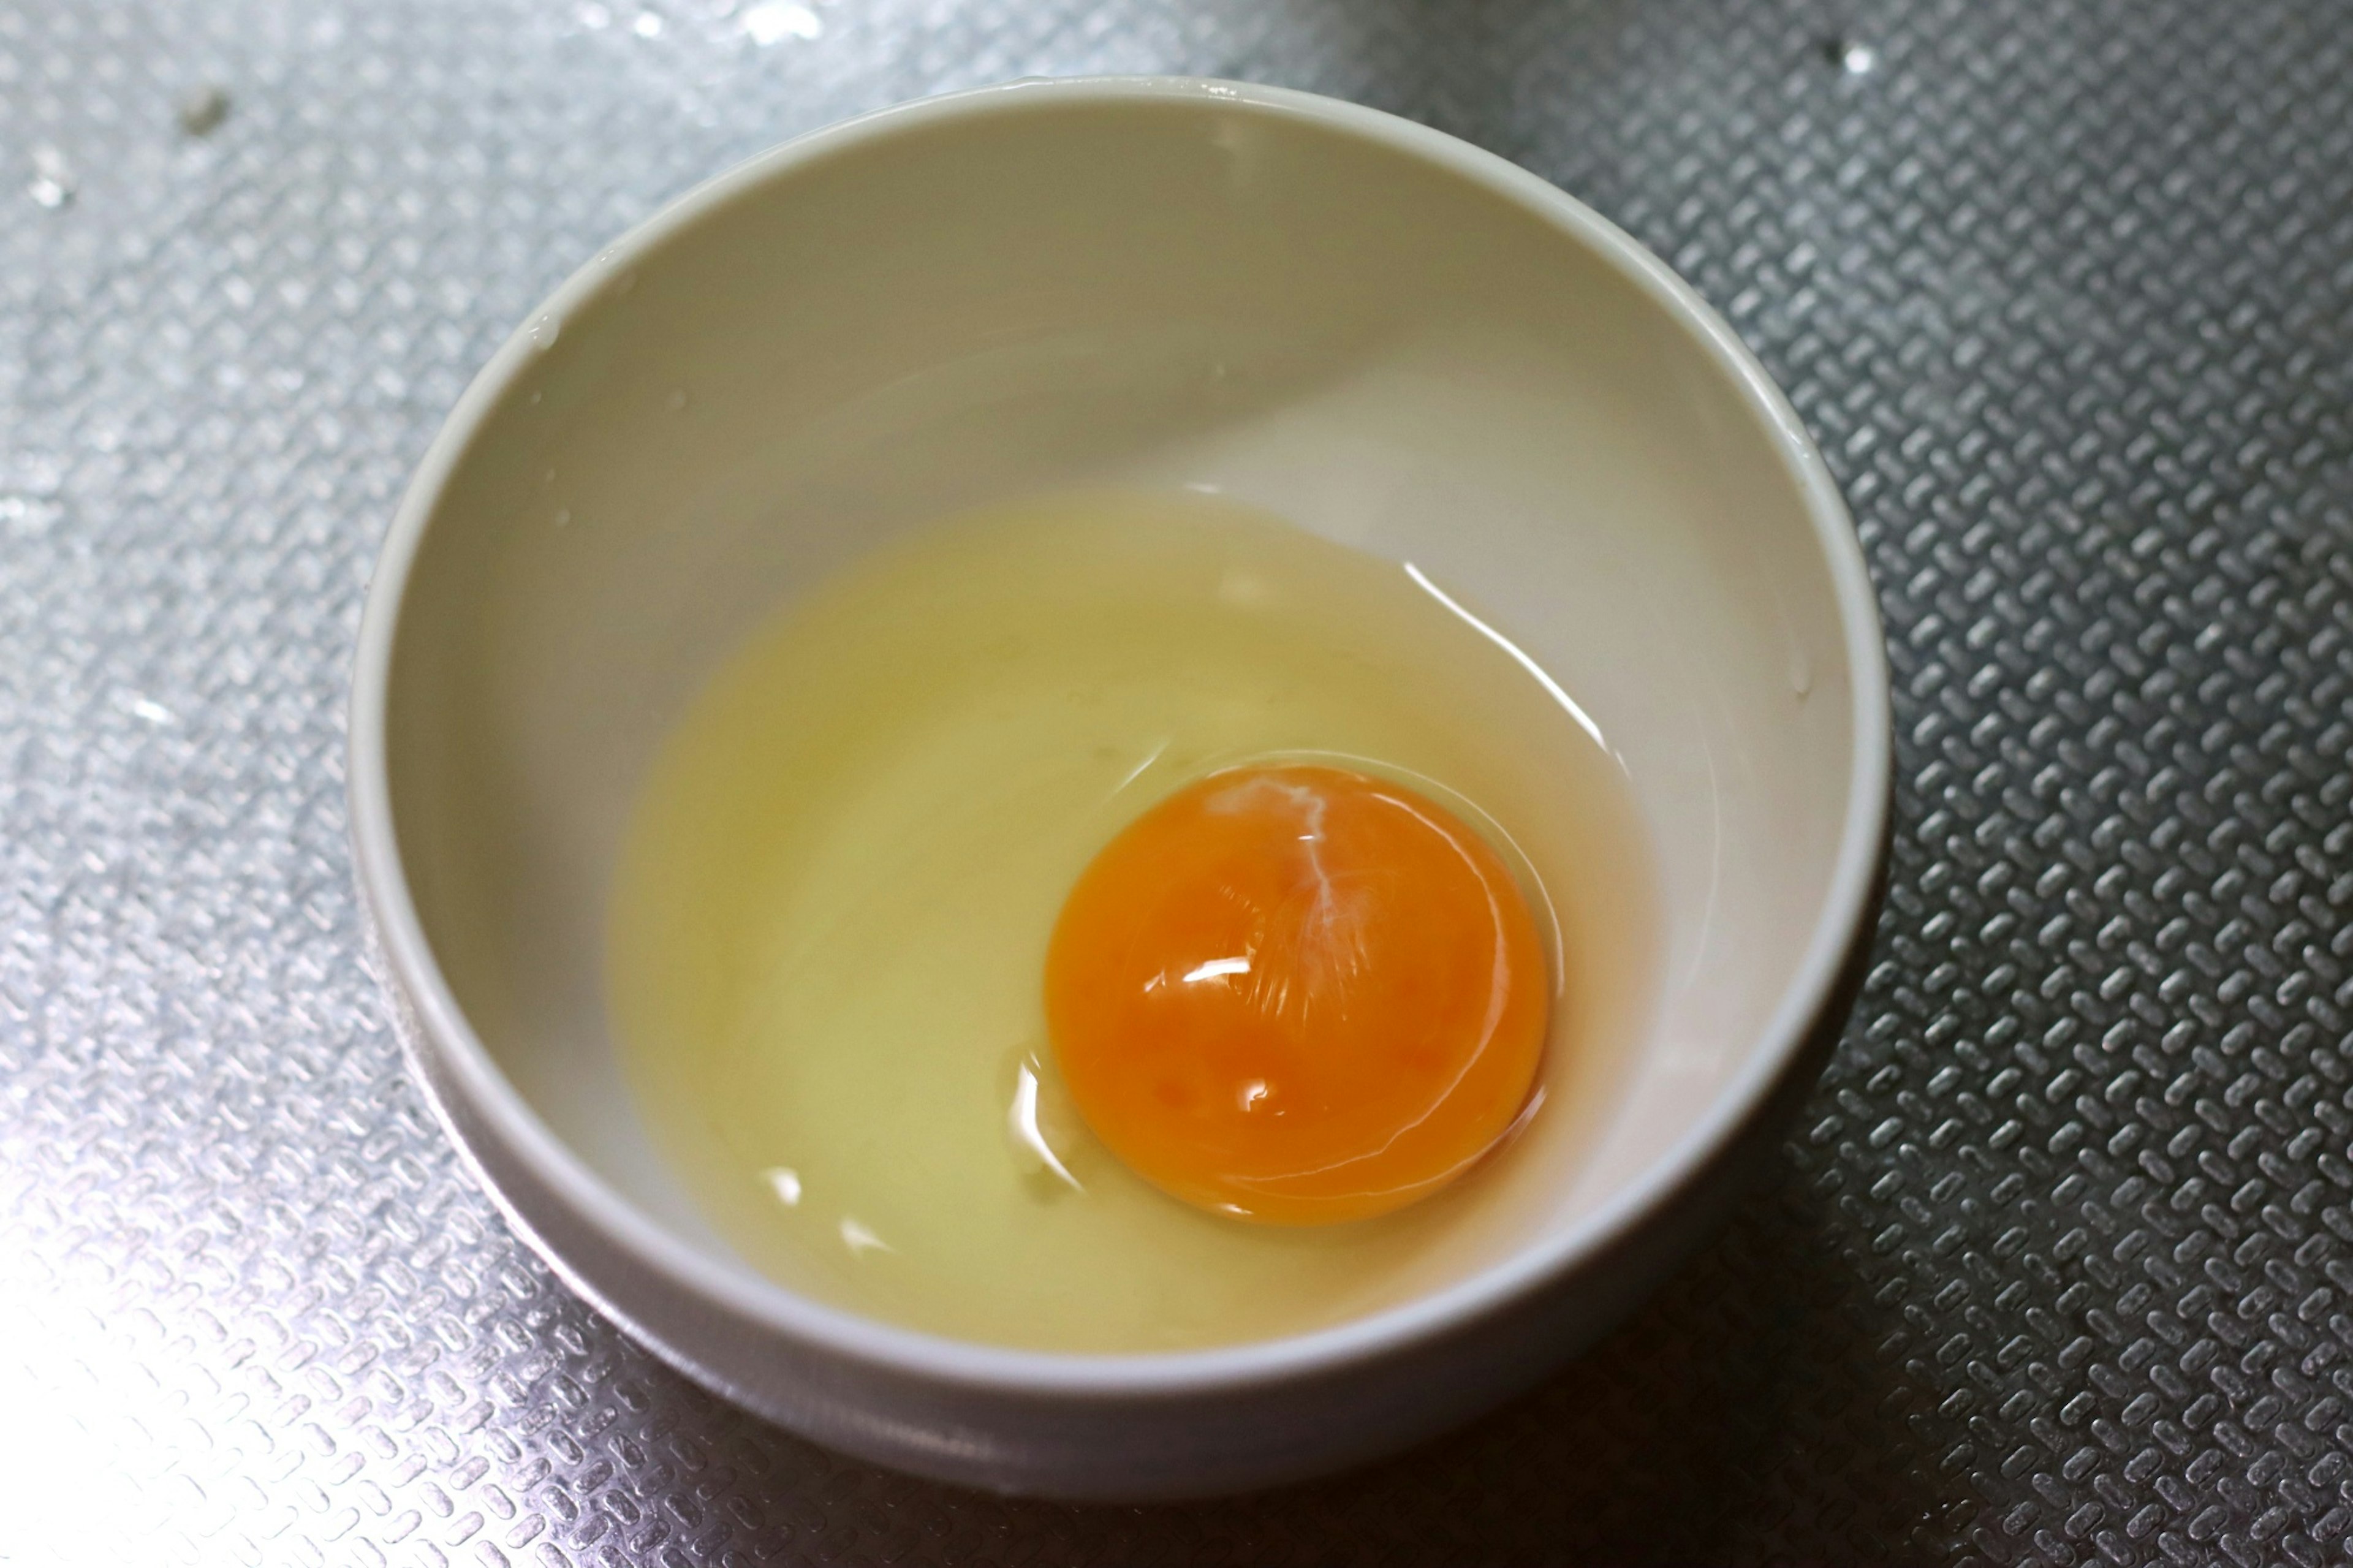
x=1377, y=331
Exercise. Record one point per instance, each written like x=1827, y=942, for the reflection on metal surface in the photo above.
x=2053, y=1268
x=1853, y=57
x=773, y=21
x=52, y=184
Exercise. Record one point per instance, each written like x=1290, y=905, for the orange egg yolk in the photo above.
x=1298, y=995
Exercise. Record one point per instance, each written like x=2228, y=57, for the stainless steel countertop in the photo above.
x=2059, y=1265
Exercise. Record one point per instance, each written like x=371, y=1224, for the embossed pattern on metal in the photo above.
x=2059, y=1265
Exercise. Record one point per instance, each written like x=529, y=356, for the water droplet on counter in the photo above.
x=773, y=21
x=548, y=478
x=202, y=111
x=677, y=399
x=563, y=517
x=1853, y=56
x=544, y=330
x=785, y=1182
x=52, y=184
x=535, y=397
x=27, y=517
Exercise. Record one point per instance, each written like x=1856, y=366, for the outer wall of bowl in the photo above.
x=1137, y=1448
x=956, y=1414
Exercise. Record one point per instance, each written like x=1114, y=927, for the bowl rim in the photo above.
x=492, y=1099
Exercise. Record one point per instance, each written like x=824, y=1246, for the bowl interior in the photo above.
x=934, y=311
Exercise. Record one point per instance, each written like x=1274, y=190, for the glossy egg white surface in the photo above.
x=830, y=921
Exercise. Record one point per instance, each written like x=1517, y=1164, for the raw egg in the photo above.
x=927, y=939
x=1297, y=994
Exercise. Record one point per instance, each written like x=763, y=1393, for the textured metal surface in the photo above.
x=2060, y=1268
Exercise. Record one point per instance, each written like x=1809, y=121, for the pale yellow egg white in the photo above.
x=827, y=928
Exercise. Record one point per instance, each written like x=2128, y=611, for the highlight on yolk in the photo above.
x=1298, y=995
